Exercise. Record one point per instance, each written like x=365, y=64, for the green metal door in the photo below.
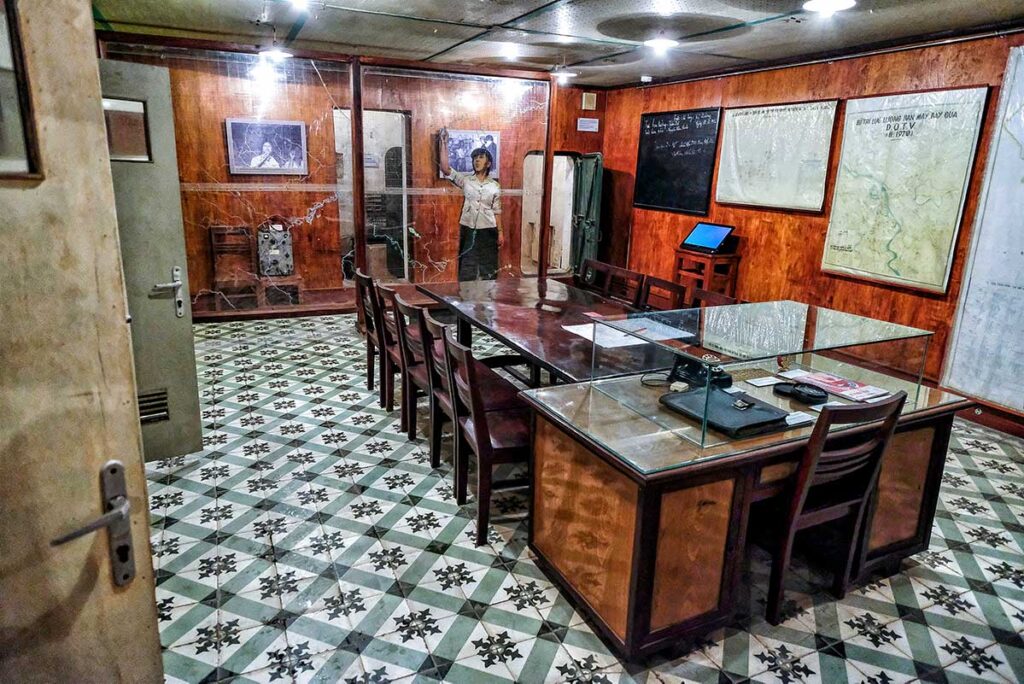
x=586, y=214
x=140, y=126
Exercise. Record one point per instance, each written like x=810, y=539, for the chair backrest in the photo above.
x=702, y=298
x=668, y=295
x=409, y=320
x=847, y=464
x=610, y=281
x=369, y=306
x=433, y=341
x=466, y=390
x=386, y=300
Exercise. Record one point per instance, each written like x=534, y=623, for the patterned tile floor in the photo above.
x=310, y=541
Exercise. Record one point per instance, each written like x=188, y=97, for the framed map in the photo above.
x=899, y=195
x=986, y=353
x=776, y=156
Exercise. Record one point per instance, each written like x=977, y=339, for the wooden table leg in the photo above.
x=464, y=332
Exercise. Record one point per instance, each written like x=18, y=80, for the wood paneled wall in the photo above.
x=569, y=107
x=517, y=110
x=205, y=93
x=781, y=250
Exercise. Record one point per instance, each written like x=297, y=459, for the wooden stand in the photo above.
x=711, y=272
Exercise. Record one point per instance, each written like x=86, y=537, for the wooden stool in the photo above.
x=702, y=271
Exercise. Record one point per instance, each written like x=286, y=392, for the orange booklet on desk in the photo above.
x=839, y=386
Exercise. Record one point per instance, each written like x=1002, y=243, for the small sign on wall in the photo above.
x=589, y=101
x=587, y=125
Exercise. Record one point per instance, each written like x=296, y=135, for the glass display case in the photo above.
x=730, y=375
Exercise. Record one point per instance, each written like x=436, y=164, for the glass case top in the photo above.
x=756, y=331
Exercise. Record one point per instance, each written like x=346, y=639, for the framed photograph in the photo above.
x=462, y=143
x=19, y=149
x=262, y=147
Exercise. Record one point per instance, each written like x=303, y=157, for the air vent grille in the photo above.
x=153, y=406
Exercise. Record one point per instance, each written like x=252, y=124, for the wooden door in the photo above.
x=67, y=393
x=140, y=129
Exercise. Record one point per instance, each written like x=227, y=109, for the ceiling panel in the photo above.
x=601, y=39
x=869, y=23
x=639, y=20
x=519, y=49
x=479, y=12
x=210, y=17
x=628, y=67
x=381, y=35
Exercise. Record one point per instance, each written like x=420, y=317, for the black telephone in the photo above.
x=696, y=374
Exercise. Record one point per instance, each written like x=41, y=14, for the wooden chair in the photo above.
x=415, y=371
x=835, y=481
x=389, y=334
x=702, y=298
x=671, y=293
x=367, y=323
x=496, y=436
x=498, y=394
x=613, y=282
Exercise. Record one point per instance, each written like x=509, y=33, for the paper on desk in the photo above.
x=764, y=381
x=793, y=374
x=799, y=418
x=652, y=329
x=829, y=403
x=606, y=337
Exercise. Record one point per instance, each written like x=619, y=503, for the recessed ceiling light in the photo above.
x=646, y=79
x=828, y=7
x=661, y=44
x=275, y=54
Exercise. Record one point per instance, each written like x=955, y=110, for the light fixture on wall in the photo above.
x=828, y=7
x=661, y=44
x=274, y=54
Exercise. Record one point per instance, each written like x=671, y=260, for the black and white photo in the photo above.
x=257, y=146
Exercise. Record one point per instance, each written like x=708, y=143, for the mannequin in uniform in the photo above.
x=480, y=233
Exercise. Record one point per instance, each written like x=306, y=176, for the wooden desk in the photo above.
x=711, y=272
x=646, y=531
x=528, y=316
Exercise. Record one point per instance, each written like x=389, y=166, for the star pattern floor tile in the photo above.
x=311, y=541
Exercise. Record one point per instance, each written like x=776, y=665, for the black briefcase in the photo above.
x=735, y=414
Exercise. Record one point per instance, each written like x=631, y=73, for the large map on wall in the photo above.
x=776, y=156
x=986, y=355
x=900, y=190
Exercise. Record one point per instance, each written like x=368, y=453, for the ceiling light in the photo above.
x=300, y=5
x=646, y=79
x=828, y=7
x=275, y=54
x=510, y=51
x=563, y=74
x=661, y=44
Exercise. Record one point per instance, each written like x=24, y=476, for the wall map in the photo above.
x=899, y=194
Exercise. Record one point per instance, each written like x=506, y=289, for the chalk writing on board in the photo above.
x=675, y=160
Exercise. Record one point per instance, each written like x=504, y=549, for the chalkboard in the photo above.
x=676, y=160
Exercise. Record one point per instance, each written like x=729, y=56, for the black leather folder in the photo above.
x=723, y=412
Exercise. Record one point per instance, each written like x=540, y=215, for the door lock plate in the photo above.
x=174, y=287
x=116, y=518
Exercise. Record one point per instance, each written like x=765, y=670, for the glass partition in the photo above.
x=430, y=219
x=724, y=375
x=266, y=190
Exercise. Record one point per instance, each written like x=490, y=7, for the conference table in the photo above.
x=530, y=316
x=644, y=528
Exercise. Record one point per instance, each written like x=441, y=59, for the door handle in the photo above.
x=174, y=287
x=116, y=519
